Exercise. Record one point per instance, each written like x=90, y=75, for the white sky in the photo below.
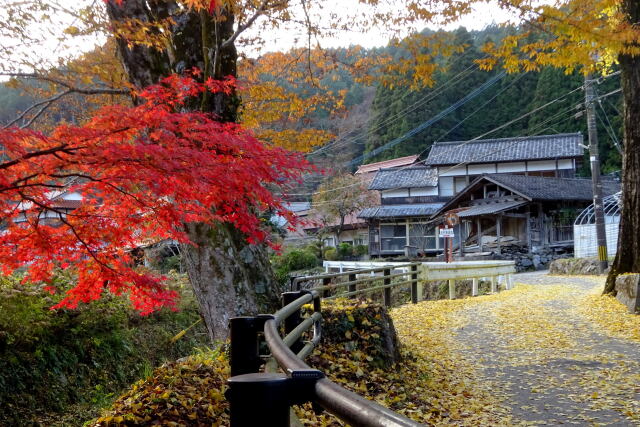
x=54, y=44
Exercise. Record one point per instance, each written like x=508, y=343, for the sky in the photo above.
x=54, y=44
x=482, y=16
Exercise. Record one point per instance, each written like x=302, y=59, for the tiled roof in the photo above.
x=400, y=211
x=506, y=149
x=400, y=161
x=489, y=208
x=543, y=188
x=413, y=177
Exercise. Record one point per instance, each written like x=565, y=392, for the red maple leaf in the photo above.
x=142, y=172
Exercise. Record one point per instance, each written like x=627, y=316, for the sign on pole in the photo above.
x=446, y=232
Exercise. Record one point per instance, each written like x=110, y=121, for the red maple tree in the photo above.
x=143, y=171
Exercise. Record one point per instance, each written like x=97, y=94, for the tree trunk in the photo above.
x=229, y=276
x=628, y=253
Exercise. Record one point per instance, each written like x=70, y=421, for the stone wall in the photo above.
x=628, y=291
x=538, y=260
x=575, y=266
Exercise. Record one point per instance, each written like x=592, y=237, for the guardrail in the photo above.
x=265, y=398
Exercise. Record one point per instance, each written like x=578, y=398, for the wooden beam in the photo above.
x=479, y=234
x=528, y=231
x=498, y=230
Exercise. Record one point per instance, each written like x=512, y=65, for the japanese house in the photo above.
x=410, y=195
x=535, y=212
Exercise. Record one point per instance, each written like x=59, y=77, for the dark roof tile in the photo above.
x=400, y=211
x=413, y=177
x=506, y=149
x=544, y=188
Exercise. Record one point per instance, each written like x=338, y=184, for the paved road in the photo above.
x=549, y=364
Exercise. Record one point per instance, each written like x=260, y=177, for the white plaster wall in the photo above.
x=541, y=165
x=511, y=167
x=480, y=169
x=452, y=171
x=565, y=164
x=445, y=184
x=400, y=192
x=423, y=191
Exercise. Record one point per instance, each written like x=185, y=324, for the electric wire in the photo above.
x=562, y=97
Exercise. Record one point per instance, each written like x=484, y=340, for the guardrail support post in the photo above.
x=245, y=356
x=352, y=287
x=452, y=289
x=494, y=284
x=386, y=294
x=414, y=284
x=509, y=281
x=474, y=287
x=294, y=320
x=256, y=398
x=265, y=398
x=326, y=282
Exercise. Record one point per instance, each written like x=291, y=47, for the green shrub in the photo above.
x=315, y=248
x=294, y=260
x=345, y=250
x=51, y=361
x=330, y=254
x=361, y=250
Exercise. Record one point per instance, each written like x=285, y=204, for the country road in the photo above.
x=544, y=353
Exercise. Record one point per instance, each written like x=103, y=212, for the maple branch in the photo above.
x=69, y=86
x=241, y=28
x=37, y=104
x=62, y=148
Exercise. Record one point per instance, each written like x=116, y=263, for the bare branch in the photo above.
x=46, y=104
x=72, y=88
x=241, y=28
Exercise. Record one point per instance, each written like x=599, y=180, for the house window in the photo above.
x=393, y=237
x=330, y=242
x=422, y=237
x=360, y=240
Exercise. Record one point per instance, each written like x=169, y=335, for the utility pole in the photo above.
x=594, y=157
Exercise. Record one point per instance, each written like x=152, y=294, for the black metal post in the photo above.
x=414, y=284
x=352, y=287
x=294, y=320
x=245, y=356
x=259, y=399
x=386, y=295
x=326, y=282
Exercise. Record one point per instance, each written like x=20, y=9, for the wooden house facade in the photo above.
x=534, y=212
x=413, y=197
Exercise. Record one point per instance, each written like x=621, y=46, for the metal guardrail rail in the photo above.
x=260, y=398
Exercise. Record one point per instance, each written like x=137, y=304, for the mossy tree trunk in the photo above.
x=229, y=276
x=628, y=254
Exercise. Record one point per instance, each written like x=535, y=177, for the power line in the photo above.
x=408, y=109
x=538, y=128
x=474, y=93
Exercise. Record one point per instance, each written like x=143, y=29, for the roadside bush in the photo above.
x=53, y=362
x=361, y=250
x=345, y=250
x=330, y=254
x=294, y=260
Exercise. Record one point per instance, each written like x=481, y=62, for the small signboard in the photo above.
x=446, y=232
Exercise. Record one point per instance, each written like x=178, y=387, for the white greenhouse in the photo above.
x=584, y=228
